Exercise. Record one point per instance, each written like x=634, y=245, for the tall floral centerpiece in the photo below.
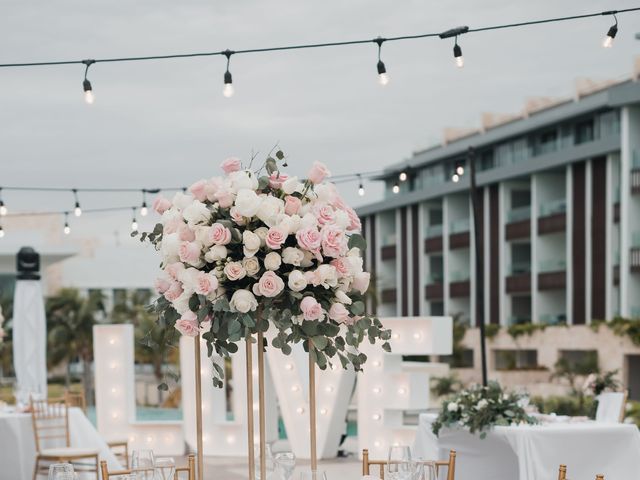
x=256, y=249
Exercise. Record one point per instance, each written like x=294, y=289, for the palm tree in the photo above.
x=70, y=320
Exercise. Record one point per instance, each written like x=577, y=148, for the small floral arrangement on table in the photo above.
x=597, y=383
x=256, y=249
x=479, y=408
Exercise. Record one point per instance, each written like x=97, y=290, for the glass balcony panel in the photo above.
x=519, y=214
x=459, y=226
x=635, y=240
x=435, y=277
x=552, y=265
x=552, y=207
x=553, y=318
x=434, y=231
x=519, y=268
x=519, y=319
x=459, y=276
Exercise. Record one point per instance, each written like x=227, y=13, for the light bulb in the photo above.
x=228, y=90
x=1, y=232
x=376, y=416
x=77, y=211
x=3, y=209
x=144, y=210
x=89, y=97
x=67, y=229
x=396, y=188
x=455, y=177
x=611, y=34
x=460, y=170
x=403, y=176
x=323, y=411
x=300, y=410
x=361, y=190
x=383, y=79
x=460, y=62
x=457, y=53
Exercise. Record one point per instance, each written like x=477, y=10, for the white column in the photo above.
x=420, y=261
x=588, y=202
x=625, y=188
x=569, y=243
x=399, y=248
x=608, y=255
x=502, y=253
x=445, y=254
x=473, y=275
x=487, y=256
x=534, y=249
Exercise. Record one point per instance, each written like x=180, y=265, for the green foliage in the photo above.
x=518, y=329
x=445, y=386
x=626, y=327
x=602, y=382
x=480, y=408
x=570, y=405
x=491, y=330
x=633, y=412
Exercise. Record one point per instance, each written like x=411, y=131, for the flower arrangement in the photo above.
x=248, y=251
x=479, y=408
x=597, y=383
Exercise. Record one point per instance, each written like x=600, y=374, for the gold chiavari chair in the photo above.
x=119, y=447
x=190, y=470
x=562, y=472
x=50, y=419
x=599, y=477
x=449, y=464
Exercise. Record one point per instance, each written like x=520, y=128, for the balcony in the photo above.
x=433, y=239
x=519, y=278
x=389, y=295
x=553, y=319
x=634, y=254
x=388, y=250
x=552, y=275
x=519, y=319
x=459, y=234
x=434, y=289
x=552, y=217
x=635, y=173
x=459, y=284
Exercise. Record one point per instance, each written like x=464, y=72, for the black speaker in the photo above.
x=28, y=264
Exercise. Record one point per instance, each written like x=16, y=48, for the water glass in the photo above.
x=286, y=462
x=269, y=464
x=142, y=462
x=427, y=471
x=165, y=468
x=399, y=465
x=313, y=475
x=61, y=471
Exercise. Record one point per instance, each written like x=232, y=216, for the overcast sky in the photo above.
x=165, y=123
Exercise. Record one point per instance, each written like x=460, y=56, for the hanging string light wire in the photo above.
x=86, y=84
x=383, y=76
x=321, y=45
x=228, y=90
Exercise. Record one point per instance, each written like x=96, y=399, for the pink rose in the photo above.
x=224, y=197
x=341, y=266
x=338, y=312
x=185, y=233
x=161, y=204
x=313, y=277
x=236, y=217
x=219, y=234
x=318, y=173
x=174, y=269
x=172, y=225
x=275, y=238
x=174, y=291
x=189, y=252
x=334, y=241
x=324, y=213
x=309, y=238
x=162, y=284
x=270, y=284
x=292, y=205
x=199, y=190
x=276, y=179
x=311, y=309
x=188, y=324
x=206, y=283
x=361, y=282
x=234, y=271
x=230, y=165
x=355, y=225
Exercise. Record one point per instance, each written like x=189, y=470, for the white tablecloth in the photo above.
x=534, y=452
x=18, y=450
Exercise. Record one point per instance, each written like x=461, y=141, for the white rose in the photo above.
x=215, y=253
x=269, y=209
x=297, y=319
x=355, y=264
x=247, y=202
x=272, y=261
x=243, y=179
x=343, y=297
x=292, y=256
x=182, y=200
x=307, y=261
x=251, y=243
x=452, y=407
x=196, y=213
x=291, y=185
x=169, y=248
x=251, y=265
x=342, y=219
x=326, y=192
x=170, y=214
x=297, y=281
x=234, y=271
x=328, y=275
x=243, y=301
x=262, y=233
x=202, y=235
x=309, y=220
x=181, y=304
x=481, y=404
x=188, y=279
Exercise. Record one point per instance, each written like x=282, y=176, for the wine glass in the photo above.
x=142, y=463
x=399, y=465
x=313, y=475
x=286, y=462
x=61, y=471
x=428, y=471
x=165, y=468
x=269, y=464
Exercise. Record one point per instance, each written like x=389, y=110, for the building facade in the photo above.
x=559, y=219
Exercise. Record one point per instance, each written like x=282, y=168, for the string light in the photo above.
x=143, y=208
x=66, y=229
x=77, y=211
x=1, y=231
x=396, y=188
x=134, y=223
x=360, y=186
x=3, y=208
x=383, y=76
x=455, y=178
x=403, y=176
x=86, y=84
x=228, y=89
x=611, y=34
x=460, y=170
x=457, y=51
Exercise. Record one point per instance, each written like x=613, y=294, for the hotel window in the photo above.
x=515, y=359
x=584, y=131
x=486, y=160
x=607, y=124
x=547, y=142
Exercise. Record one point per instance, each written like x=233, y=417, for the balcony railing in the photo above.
x=553, y=319
x=519, y=214
x=459, y=226
x=552, y=208
x=519, y=319
x=519, y=268
x=389, y=240
x=635, y=240
x=433, y=231
x=459, y=276
x=435, y=278
x=552, y=266
x=635, y=160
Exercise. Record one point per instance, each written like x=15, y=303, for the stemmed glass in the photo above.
x=425, y=470
x=313, y=475
x=269, y=465
x=286, y=462
x=399, y=465
x=142, y=462
x=165, y=468
x=61, y=471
